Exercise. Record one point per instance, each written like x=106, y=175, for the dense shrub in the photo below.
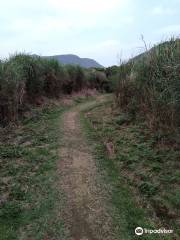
x=112, y=71
x=150, y=84
x=12, y=89
x=53, y=78
x=75, y=80
x=25, y=79
x=97, y=79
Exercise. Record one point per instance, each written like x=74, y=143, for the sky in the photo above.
x=105, y=30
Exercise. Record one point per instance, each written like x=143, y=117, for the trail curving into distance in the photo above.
x=85, y=216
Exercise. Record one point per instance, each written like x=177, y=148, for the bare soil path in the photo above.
x=86, y=214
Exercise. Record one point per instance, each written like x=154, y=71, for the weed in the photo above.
x=31, y=200
x=139, y=169
x=149, y=86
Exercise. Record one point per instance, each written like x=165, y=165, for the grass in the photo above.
x=142, y=174
x=30, y=203
x=149, y=86
x=27, y=80
x=143, y=177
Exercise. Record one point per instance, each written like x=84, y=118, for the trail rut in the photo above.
x=86, y=216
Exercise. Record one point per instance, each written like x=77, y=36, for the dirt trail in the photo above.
x=86, y=215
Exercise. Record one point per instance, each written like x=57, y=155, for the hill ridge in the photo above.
x=74, y=60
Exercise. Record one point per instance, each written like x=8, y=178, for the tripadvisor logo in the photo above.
x=140, y=231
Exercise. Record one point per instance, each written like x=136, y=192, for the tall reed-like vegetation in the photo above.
x=26, y=79
x=149, y=85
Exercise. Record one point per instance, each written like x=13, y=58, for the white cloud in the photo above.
x=110, y=50
x=55, y=25
x=90, y=28
x=43, y=25
x=109, y=43
x=160, y=10
x=84, y=6
x=49, y=16
x=171, y=29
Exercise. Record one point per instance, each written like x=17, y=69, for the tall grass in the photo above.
x=150, y=85
x=26, y=79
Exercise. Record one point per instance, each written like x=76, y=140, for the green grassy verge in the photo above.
x=140, y=175
x=30, y=202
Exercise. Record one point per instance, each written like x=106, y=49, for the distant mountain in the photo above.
x=75, y=60
x=158, y=47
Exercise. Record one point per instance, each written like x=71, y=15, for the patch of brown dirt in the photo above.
x=86, y=216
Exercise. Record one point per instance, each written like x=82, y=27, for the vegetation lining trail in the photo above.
x=134, y=170
x=86, y=215
x=29, y=197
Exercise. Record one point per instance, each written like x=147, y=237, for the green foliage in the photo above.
x=142, y=161
x=121, y=119
x=175, y=200
x=76, y=79
x=111, y=71
x=27, y=79
x=97, y=79
x=32, y=71
x=150, y=84
x=127, y=213
x=29, y=197
x=148, y=188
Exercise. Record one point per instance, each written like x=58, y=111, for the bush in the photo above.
x=98, y=80
x=150, y=85
x=75, y=79
x=53, y=78
x=12, y=90
x=26, y=79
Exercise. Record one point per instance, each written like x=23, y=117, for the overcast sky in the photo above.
x=101, y=29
